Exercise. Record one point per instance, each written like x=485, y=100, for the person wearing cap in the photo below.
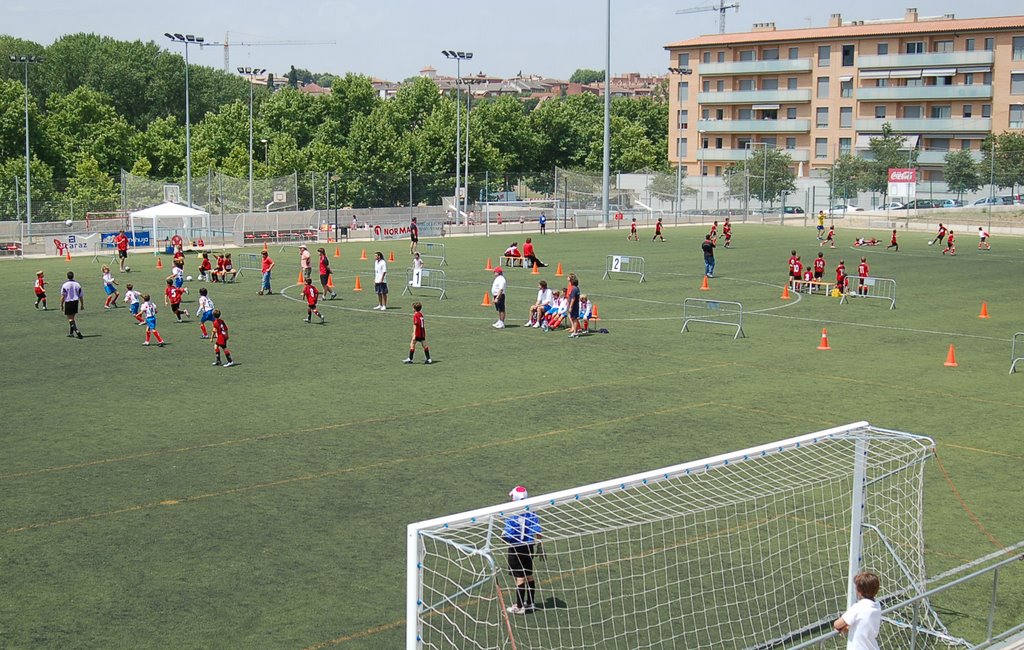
x=498, y=293
x=305, y=262
x=522, y=534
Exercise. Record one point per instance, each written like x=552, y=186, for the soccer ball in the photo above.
x=127, y=269
x=69, y=222
x=188, y=278
x=931, y=242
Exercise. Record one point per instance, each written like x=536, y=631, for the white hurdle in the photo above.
x=433, y=250
x=1015, y=352
x=858, y=287
x=432, y=279
x=625, y=264
x=715, y=312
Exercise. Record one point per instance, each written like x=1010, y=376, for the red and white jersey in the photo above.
x=311, y=293
x=840, y=273
x=174, y=294
x=220, y=328
x=983, y=234
x=942, y=231
x=148, y=309
x=819, y=265
x=863, y=270
x=108, y=279
x=132, y=296
x=893, y=240
x=796, y=268
x=40, y=284
x=419, y=329
x=726, y=228
x=205, y=305
x=808, y=276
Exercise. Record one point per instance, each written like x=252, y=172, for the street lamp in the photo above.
x=679, y=155
x=251, y=73
x=700, y=195
x=186, y=40
x=27, y=59
x=459, y=57
x=266, y=151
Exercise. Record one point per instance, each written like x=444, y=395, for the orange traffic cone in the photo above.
x=704, y=285
x=358, y=287
x=159, y=262
x=391, y=256
x=951, y=358
x=67, y=255
x=489, y=267
x=593, y=315
x=487, y=300
x=337, y=251
x=824, y=340
x=785, y=292
x=363, y=256
x=535, y=271
x=984, y=310
x=330, y=281
x=301, y=280
x=558, y=271
x=264, y=247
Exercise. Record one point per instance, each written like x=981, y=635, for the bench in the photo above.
x=11, y=248
x=809, y=287
x=510, y=261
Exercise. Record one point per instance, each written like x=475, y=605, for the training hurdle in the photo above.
x=715, y=312
x=1015, y=352
x=433, y=251
x=432, y=279
x=625, y=264
x=858, y=287
x=249, y=262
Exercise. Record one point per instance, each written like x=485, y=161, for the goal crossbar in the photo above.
x=456, y=588
x=1016, y=351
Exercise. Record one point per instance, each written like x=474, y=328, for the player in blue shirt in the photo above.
x=522, y=534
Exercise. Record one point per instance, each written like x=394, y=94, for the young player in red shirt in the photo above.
x=419, y=334
x=939, y=236
x=121, y=242
x=841, y=276
x=40, y=289
x=727, y=232
x=325, y=274
x=796, y=270
x=205, y=268
x=893, y=243
x=950, y=245
x=830, y=238
x=311, y=294
x=819, y=267
x=862, y=272
x=983, y=239
x=172, y=297
x=220, y=339
x=632, y=231
x=657, y=231
x=714, y=232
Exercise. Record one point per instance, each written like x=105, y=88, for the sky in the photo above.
x=395, y=39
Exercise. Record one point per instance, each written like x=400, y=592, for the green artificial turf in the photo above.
x=148, y=499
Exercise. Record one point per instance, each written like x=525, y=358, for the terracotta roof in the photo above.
x=852, y=31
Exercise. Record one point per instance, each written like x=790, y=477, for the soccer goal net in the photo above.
x=751, y=549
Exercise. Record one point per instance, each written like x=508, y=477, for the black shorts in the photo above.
x=414, y=238
x=324, y=277
x=307, y=273
x=499, y=303
x=381, y=288
x=122, y=254
x=419, y=339
x=70, y=307
x=41, y=295
x=574, y=312
x=818, y=275
x=520, y=560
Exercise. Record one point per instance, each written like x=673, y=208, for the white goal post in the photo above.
x=750, y=549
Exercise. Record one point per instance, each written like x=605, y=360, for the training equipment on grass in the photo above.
x=362, y=256
x=751, y=549
x=159, y=262
x=391, y=256
x=625, y=264
x=337, y=251
x=704, y=285
x=488, y=267
x=984, y=310
x=359, y=286
x=858, y=287
x=1015, y=351
x=249, y=262
x=713, y=312
x=951, y=358
x=824, y=340
x=558, y=270
x=188, y=278
x=487, y=300
x=426, y=279
x=434, y=250
x=785, y=293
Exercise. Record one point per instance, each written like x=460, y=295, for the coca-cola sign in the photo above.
x=902, y=175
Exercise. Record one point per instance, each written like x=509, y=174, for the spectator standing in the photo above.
x=498, y=294
x=266, y=267
x=305, y=262
x=543, y=221
x=414, y=236
x=708, y=246
x=380, y=280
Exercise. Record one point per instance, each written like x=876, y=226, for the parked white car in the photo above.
x=891, y=205
x=842, y=209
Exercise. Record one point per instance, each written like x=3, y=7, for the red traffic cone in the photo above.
x=359, y=286
x=159, y=262
x=363, y=256
x=951, y=358
x=536, y=270
x=391, y=256
x=785, y=292
x=487, y=300
x=704, y=285
x=489, y=267
x=337, y=251
x=824, y=340
x=558, y=271
x=984, y=310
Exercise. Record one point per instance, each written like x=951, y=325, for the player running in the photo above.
x=632, y=231
x=950, y=244
x=727, y=232
x=109, y=288
x=657, y=231
x=312, y=294
x=830, y=238
x=40, y=289
x=893, y=243
x=172, y=297
x=982, y=241
x=134, y=300
x=204, y=312
x=148, y=310
x=419, y=335
x=220, y=330
x=939, y=236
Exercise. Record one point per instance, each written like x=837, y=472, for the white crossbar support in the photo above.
x=717, y=312
x=860, y=463
x=1016, y=352
x=625, y=264
x=431, y=279
x=857, y=287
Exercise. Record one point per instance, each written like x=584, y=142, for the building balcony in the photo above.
x=754, y=126
x=755, y=97
x=737, y=155
x=780, y=66
x=927, y=60
x=915, y=93
x=928, y=125
x=939, y=157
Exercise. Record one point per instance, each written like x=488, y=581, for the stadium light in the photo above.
x=459, y=57
x=26, y=60
x=186, y=41
x=251, y=73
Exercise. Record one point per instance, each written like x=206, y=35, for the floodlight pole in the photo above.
x=25, y=60
x=251, y=74
x=459, y=57
x=186, y=40
x=607, y=164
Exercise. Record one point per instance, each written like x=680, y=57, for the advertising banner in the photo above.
x=902, y=184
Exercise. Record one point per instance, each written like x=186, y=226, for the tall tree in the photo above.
x=847, y=176
x=887, y=151
x=766, y=174
x=961, y=172
x=1009, y=158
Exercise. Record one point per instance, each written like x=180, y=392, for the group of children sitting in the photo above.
x=224, y=270
x=552, y=310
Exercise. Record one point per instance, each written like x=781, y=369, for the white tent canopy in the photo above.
x=171, y=218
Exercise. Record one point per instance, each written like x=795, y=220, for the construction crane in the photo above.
x=720, y=9
x=227, y=45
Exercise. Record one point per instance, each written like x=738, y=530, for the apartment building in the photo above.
x=944, y=83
